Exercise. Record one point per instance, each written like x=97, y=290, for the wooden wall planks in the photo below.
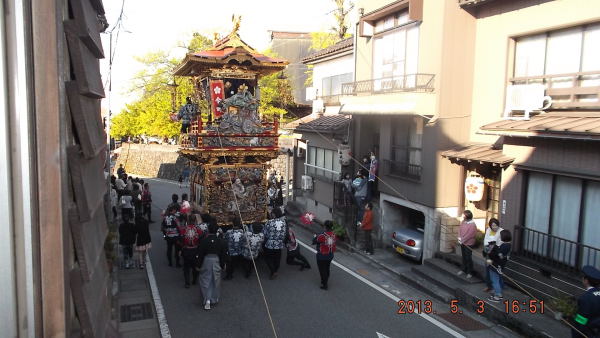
x=85, y=112
x=85, y=64
x=87, y=178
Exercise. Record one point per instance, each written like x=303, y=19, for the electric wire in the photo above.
x=430, y=218
x=245, y=228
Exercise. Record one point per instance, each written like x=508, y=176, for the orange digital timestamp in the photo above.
x=510, y=306
x=415, y=306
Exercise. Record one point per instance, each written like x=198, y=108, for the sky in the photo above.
x=151, y=25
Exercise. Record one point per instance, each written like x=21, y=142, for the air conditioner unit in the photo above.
x=311, y=93
x=307, y=183
x=525, y=98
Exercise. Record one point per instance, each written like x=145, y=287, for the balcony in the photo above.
x=405, y=83
x=207, y=136
x=402, y=169
x=568, y=91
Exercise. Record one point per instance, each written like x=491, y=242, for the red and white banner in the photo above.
x=217, y=92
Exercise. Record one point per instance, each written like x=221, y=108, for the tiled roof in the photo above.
x=342, y=46
x=478, y=152
x=292, y=125
x=580, y=125
x=325, y=123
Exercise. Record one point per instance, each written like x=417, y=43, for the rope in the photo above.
x=245, y=227
x=328, y=140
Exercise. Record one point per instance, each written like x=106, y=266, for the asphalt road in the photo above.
x=299, y=308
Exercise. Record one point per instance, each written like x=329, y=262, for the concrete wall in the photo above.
x=151, y=160
x=293, y=47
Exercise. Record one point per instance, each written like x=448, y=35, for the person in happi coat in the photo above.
x=325, y=243
x=234, y=238
x=253, y=241
x=275, y=231
x=189, y=239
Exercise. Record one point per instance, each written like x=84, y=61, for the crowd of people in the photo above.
x=133, y=197
x=209, y=253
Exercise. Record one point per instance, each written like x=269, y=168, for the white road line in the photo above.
x=160, y=310
x=388, y=294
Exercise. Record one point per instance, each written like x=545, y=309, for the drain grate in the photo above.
x=462, y=321
x=133, y=312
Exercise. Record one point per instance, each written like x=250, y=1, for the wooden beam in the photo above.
x=48, y=53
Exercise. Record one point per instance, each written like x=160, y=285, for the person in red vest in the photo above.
x=325, y=242
x=190, y=236
x=367, y=226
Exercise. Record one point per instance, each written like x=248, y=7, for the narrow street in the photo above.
x=361, y=300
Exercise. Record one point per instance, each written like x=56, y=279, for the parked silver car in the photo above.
x=408, y=242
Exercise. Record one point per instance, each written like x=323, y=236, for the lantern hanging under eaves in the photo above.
x=474, y=188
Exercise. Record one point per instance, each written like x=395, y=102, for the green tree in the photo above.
x=276, y=93
x=340, y=13
x=149, y=114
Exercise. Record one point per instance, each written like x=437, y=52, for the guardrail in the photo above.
x=555, y=251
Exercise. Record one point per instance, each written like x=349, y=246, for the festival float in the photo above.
x=229, y=148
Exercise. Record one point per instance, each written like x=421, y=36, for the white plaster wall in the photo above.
x=337, y=66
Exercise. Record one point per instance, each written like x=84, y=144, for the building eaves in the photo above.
x=324, y=124
x=568, y=125
x=340, y=47
x=478, y=152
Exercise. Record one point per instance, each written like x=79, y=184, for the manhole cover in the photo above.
x=133, y=312
x=462, y=321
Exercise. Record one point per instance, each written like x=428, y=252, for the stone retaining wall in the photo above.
x=151, y=160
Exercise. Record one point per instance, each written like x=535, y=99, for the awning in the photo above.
x=325, y=124
x=563, y=125
x=478, y=152
x=407, y=108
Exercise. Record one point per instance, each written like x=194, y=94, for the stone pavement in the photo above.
x=136, y=309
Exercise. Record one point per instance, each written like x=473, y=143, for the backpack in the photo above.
x=327, y=247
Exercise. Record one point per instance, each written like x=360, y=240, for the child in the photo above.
x=497, y=259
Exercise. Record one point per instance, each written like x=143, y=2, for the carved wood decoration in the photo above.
x=87, y=178
x=88, y=239
x=85, y=64
x=87, y=26
x=85, y=112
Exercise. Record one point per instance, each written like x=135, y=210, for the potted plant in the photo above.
x=564, y=307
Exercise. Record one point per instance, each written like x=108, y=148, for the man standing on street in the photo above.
x=587, y=318
x=171, y=234
x=190, y=236
x=234, y=238
x=367, y=227
x=325, y=242
x=275, y=231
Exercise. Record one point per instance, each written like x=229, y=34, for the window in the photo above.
x=407, y=139
x=562, y=207
x=395, y=52
x=323, y=163
x=332, y=85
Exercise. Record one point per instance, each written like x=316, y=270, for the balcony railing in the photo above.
x=402, y=169
x=405, y=83
x=555, y=251
x=568, y=91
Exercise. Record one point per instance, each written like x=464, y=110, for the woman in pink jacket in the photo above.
x=466, y=239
